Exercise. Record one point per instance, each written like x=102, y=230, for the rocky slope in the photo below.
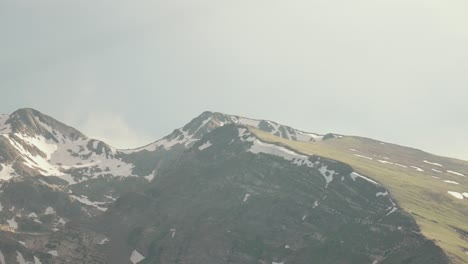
x=232, y=198
x=212, y=191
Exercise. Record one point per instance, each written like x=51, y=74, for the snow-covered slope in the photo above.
x=32, y=144
x=35, y=144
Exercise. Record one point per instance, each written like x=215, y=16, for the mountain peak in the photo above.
x=208, y=121
x=217, y=119
x=32, y=122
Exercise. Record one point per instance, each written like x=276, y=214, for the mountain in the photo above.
x=36, y=144
x=225, y=189
x=32, y=143
x=232, y=198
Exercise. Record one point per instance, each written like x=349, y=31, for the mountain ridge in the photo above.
x=224, y=116
x=217, y=119
x=89, y=177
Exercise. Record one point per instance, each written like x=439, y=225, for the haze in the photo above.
x=129, y=72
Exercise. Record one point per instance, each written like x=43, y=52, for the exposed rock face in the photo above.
x=225, y=204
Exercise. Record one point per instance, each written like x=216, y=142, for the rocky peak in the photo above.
x=208, y=121
x=32, y=123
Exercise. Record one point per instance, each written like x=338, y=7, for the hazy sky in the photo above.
x=129, y=72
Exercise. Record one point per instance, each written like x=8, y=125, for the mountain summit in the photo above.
x=208, y=121
x=31, y=122
x=225, y=189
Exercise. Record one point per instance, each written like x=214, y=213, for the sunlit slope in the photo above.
x=421, y=190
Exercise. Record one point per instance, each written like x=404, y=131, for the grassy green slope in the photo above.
x=424, y=194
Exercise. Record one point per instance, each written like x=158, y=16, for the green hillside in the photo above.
x=423, y=193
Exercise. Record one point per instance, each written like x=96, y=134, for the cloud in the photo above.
x=114, y=130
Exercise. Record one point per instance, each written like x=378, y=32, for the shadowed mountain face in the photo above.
x=210, y=192
x=225, y=202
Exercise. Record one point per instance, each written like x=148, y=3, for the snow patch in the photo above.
x=84, y=200
x=456, y=173
x=275, y=150
x=327, y=174
x=48, y=147
x=103, y=241
x=417, y=168
x=49, y=211
x=246, y=197
x=400, y=165
x=385, y=162
x=392, y=211
x=173, y=232
x=362, y=156
x=307, y=136
x=381, y=194
x=316, y=203
x=32, y=215
x=452, y=182
x=110, y=197
x=37, y=260
x=438, y=171
x=355, y=175
x=259, y=146
x=432, y=163
x=150, y=177
x=53, y=253
x=136, y=257
x=6, y=172
x=2, y=258
x=456, y=195
x=287, y=154
x=35, y=161
x=80, y=165
x=12, y=223
x=70, y=156
x=61, y=221
x=19, y=258
x=205, y=145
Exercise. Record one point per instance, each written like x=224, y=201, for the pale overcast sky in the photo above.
x=129, y=72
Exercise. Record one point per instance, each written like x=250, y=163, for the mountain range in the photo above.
x=225, y=189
